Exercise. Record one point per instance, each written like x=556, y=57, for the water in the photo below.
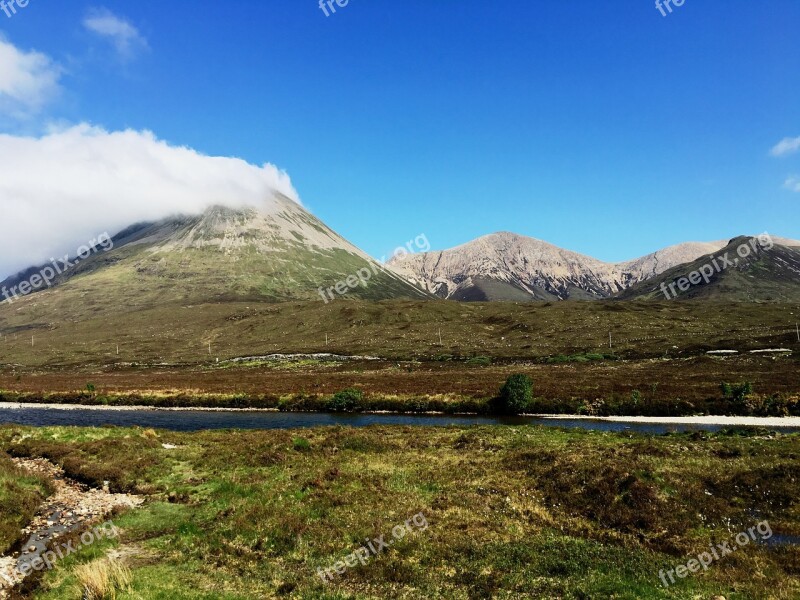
x=197, y=420
x=778, y=539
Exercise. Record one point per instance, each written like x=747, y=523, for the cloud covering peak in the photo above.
x=69, y=186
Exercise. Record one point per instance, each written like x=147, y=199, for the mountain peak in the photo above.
x=509, y=266
x=275, y=251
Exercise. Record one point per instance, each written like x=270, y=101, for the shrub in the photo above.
x=736, y=392
x=774, y=406
x=515, y=395
x=301, y=444
x=480, y=360
x=346, y=401
x=301, y=403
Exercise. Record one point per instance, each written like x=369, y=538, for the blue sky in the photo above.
x=601, y=127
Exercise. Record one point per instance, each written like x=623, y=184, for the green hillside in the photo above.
x=748, y=269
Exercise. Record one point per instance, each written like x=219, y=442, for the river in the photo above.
x=197, y=420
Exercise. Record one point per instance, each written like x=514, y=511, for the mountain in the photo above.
x=506, y=266
x=748, y=269
x=277, y=251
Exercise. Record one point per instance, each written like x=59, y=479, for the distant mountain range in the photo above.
x=281, y=252
x=506, y=266
x=748, y=269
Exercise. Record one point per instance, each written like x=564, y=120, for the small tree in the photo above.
x=741, y=396
x=515, y=395
x=737, y=392
x=346, y=401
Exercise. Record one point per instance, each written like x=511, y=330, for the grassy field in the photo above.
x=510, y=512
x=591, y=385
x=44, y=330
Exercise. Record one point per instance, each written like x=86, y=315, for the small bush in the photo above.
x=480, y=360
x=301, y=444
x=741, y=396
x=516, y=395
x=736, y=392
x=346, y=401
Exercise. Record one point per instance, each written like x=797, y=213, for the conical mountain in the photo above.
x=278, y=251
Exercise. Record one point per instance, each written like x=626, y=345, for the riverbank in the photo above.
x=654, y=388
x=721, y=421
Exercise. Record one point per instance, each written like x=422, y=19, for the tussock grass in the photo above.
x=103, y=579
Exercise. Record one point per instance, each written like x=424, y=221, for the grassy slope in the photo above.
x=158, y=270
x=767, y=275
x=520, y=512
x=83, y=330
x=20, y=496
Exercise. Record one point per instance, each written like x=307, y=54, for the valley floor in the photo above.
x=486, y=512
x=593, y=386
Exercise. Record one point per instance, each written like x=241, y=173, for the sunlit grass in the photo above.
x=516, y=512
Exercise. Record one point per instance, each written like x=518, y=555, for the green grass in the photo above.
x=561, y=358
x=513, y=512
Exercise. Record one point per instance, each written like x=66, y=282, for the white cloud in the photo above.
x=67, y=187
x=28, y=81
x=792, y=184
x=123, y=36
x=786, y=146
